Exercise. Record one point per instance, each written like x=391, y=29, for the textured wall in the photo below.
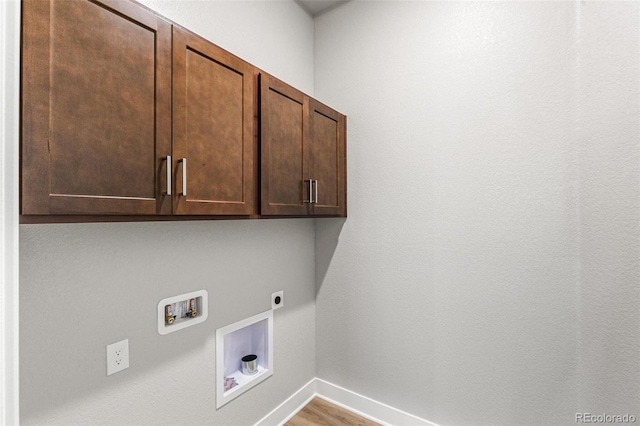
x=274, y=35
x=84, y=286
x=488, y=271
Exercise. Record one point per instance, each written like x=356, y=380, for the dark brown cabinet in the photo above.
x=126, y=116
x=96, y=108
x=285, y=182
x=327, y=134
x=213, y=141
x=303, y=153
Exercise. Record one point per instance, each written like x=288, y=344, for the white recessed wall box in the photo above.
x=248, y=342
x=178, y=312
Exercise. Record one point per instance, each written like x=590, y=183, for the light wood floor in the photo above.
x=322, y=413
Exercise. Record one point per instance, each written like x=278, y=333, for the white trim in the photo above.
x=265, y=367
x=9, y=210
x=351, y=401
x=367, y=407
x=289, y=408
x=203, y=311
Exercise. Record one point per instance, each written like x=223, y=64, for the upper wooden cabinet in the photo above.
x=284, y=149
x=327, y=131
x=125, y=114
x=303, y=161
x=96, y=108
x=213, y=141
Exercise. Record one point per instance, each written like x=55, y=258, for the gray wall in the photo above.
x=488, y=272
x=492, y=235
x=84, y=286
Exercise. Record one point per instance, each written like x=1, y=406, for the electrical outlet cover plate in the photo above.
x=279, y=294
x=117, y=356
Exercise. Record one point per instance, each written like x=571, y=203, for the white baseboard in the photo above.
x=351, y=401
x=367, y=407
x=290, y=407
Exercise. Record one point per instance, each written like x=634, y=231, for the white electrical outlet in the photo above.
x=117, y=356
x=277, y=300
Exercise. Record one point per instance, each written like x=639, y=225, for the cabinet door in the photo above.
x=212, y=129
x=96, y=102
x=327, y=130
x=285, y=157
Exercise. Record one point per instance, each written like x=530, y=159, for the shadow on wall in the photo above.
x=327, y=237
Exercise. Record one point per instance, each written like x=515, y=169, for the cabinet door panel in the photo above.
x=327, y=147
x=96, y=112
x=213, y=128
x=284, y=155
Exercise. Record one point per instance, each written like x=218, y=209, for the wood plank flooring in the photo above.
x=322, y=413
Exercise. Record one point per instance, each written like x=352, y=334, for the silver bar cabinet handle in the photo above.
x=169, y=165
x=310, y=200
x=316, y=200
x=184, y=176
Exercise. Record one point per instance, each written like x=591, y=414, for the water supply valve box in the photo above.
x=185, y=310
